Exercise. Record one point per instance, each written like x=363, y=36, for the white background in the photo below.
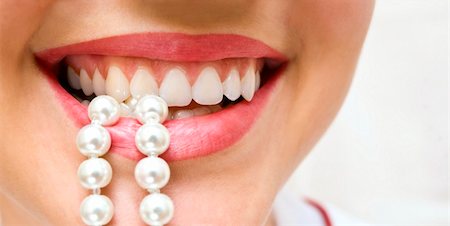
x=385, y=157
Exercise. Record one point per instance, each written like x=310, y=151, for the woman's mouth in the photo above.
x=215, y=85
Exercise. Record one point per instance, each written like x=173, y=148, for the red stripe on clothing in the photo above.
x=321, y=209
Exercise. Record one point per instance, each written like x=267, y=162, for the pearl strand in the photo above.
x=152, y=173
x=93, y=141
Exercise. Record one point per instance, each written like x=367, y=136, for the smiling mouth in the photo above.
x=215, y=85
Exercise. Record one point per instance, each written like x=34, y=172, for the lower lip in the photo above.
x=191, y=137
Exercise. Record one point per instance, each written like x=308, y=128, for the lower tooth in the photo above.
x=182, y=114
x=201, y=111
x=85, y=102
x=131, y=102
x=125, y=110
x=215, y=108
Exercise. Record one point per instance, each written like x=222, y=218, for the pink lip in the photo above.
x=168, y=46
x=191, y=137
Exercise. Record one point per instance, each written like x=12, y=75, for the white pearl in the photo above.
x=105, y=109
x=93, y=140
x=152, y=173
x=96, y=210
x=156, y=209
x=151, y=108
x=94, y=173
x=152, y=138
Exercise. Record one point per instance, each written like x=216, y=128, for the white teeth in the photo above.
x=257, y=80
x=73, y=79
x=117, y=84
x=207, y=90
x=143, y=83
x=98, y=83
x=201, y=111
x=182, y=114
x=175, y=89
x=85, y=102
x=86, y=83
x=215, y=108
x=124, y=110
x=232, y=85
x=248, y=84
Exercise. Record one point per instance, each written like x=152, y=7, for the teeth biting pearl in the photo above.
x=117, y=85
x=175, y=89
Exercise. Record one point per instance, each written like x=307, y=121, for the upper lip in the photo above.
x=212, y=132
x=169, y=47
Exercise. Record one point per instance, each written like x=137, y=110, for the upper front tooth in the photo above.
x=175, y=88
x=86, y=83
x=73, y=79
x=117, y=84
x=232, y=85
x=143, y=83
x=248, y=84
x=207, y=90
x=99, y=83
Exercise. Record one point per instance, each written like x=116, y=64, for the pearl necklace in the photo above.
x=151, y=173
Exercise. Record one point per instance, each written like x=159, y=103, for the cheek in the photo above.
x=327, y=35
x=341, y=20
x=19, y=20
x=36, y=157
x=330, y=22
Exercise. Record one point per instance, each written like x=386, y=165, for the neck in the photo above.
x=271, y=220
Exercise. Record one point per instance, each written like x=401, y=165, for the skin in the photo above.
x=38, y=184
